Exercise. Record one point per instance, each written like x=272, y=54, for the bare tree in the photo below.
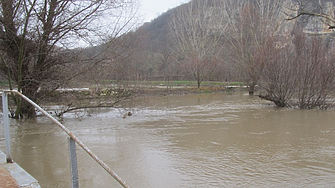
x=315, y=78
x=35, y=36
x=279, y=69
x=196, y=37
x=298, y=74
x=249, y=23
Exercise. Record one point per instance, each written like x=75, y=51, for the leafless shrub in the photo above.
x=301, y=74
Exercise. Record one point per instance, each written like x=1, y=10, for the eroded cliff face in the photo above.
x=312, y=24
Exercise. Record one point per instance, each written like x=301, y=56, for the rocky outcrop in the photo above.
x=312, y=24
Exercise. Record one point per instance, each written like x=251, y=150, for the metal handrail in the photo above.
x=71, y=135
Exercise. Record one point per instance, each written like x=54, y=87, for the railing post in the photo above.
x=73, y=163
x=6, y=126
x=72, y=142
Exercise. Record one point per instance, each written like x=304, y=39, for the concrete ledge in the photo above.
x=14, y=176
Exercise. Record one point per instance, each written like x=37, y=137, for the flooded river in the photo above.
x=209, y=140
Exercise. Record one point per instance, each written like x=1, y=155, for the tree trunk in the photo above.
x=24, y=108
x=199, y=83
x=27, y=110
x=252, y=87
x=278, y=102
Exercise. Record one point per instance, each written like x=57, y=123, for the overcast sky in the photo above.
x=153, y=8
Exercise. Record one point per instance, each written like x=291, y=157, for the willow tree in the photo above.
x=36, y=35
x=196, y=37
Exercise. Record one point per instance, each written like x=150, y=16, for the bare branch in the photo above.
x=312, y=14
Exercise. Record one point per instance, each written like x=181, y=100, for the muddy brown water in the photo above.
x=209, y=140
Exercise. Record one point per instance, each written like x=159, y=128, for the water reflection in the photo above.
x=212, y=140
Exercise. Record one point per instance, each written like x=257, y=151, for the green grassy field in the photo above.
x=186, y=83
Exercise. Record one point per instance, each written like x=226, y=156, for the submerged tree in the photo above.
x=316, y=75
x=279, y=68
x=36, y=35
x=300, y=74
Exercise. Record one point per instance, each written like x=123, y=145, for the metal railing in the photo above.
x=72, y=141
